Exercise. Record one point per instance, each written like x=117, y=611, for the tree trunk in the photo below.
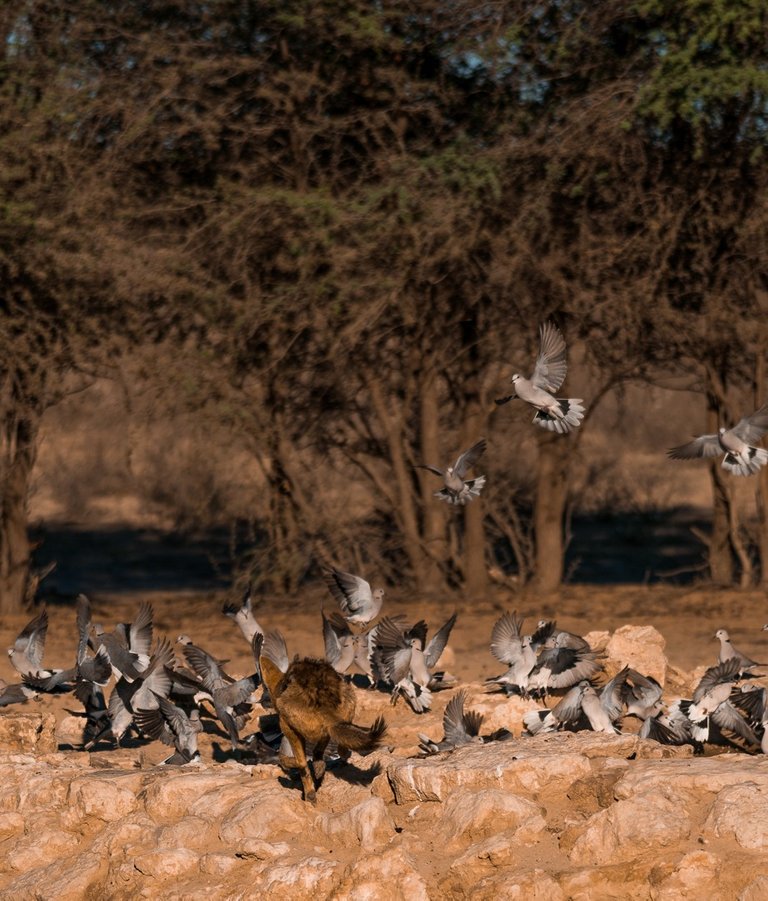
x=435, y=525
x=474, y=564
x=549, y=509
x=19, y=452
x=762, y=476
x=720, y=549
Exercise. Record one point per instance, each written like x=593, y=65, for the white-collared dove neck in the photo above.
x=741, y=457
x=557, y=414
x=457, y=490
x=359, y=604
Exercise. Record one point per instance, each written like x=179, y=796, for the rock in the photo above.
x=68, y=880
x=267, y=813
x=695, y=876
x=387, y=876
x=217, y=864
x=70, y=731
x=527, y=766
x=470, y=815
x=641, y=647
x=33, y=733
x=531, y=885
x=597, y=640
x=630, y=828
x=741, y=811
x=101, y=798
x=368, y=824
x=258, y=849
x=40, y=848
x=522, y=767
x=171, y=796
x=756, y=890
x=166, y=863
x=11, y=823
x=609, y=884
x=194, y=833
x=696, y=775
x=310, y=878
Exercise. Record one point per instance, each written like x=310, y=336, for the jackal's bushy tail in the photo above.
x=358, y=738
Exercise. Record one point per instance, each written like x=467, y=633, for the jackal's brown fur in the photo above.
x=315, y=705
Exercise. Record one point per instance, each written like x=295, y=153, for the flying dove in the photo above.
x=456, y=490
x=243, y=616
x=405, y=659
x=173, y=726
x=343, y=648
x=741, y=457
x=359, y=604
x=554, y=413
x=459, y=727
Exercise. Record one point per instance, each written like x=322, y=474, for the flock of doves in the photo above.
x=157, y=698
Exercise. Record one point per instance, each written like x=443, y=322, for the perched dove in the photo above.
x=729, y=652
x=741, y=457
x=554, y=413
x=358, y=603
x=456, y=490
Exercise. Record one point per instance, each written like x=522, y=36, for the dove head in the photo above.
x=183, y=639
x=10, y=652
x=515, y=378
x=722, y=430
x=722, y=635
x=378, y=594
x=765, y=628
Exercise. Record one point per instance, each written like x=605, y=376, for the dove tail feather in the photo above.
x=561, y=419
x=747, y=462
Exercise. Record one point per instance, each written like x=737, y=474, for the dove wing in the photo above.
x=438, y=642
x=551, y=367
x=467, y=460
x=505, y=638
x=752, y=428
x=703, y=446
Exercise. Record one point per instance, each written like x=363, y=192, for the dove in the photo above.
x=228, y=695
x=128, y=696
x=243, y=616
x=754, y=702
x=518, y=652
x=737, y=445
x=343, y=648
x=17, y=693
x=729, y=652
x=358, y=603
x=565, y=714
x=456, y=490
x=556, y=414
x=172, y=726
x=459, y=728
x=404, y=659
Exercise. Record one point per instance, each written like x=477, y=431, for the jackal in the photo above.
x=315, y=705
